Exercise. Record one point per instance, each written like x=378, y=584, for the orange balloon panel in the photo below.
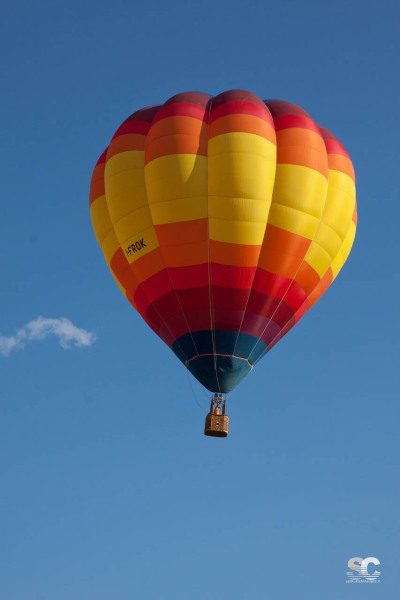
x=223, y=220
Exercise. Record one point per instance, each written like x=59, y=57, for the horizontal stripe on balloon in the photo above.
x=197, y=98
x=234, y=254
x=124, y=143
x=282, y=264
x=285, y=242
x=290, y=121
x=267, y=306
x=238, y=96
x=175, y=327
x=191, y=277
x=96, y=189
x=302, y=147
x=244, y=123
x=179, y=210
x=279, y=287
x=233, y=277
x=333, y=146
x=186, y=256
x=320, y=288
x=338, y=162
x=307, y=277
x=240, y=107
x=224, y=341
x=123, y=271
x=184, y=109
x=133, y=126
x=282, y=107
x=176, y=135
x=182, y=232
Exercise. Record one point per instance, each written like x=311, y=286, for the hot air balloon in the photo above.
x=223, y=220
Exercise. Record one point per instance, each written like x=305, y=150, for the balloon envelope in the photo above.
x=223, y=220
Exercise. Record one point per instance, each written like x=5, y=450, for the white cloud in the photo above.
x=67, y=333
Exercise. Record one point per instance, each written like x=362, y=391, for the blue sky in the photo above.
x=108, y=487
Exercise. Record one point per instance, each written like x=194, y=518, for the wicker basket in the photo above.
x=216, y=425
